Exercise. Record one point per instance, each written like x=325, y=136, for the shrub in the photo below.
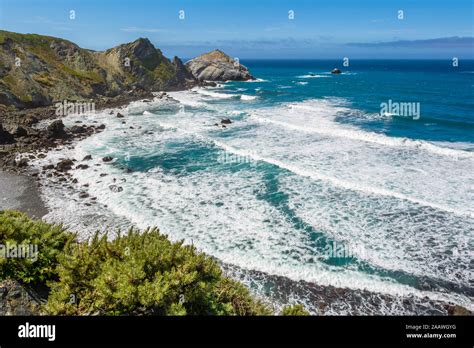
x=16, y=230
x=294, y=310
x=144, y=273
x=140, y=273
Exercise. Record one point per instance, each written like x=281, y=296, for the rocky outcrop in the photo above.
x=56, y=130
x=183, y=73
x=335, y=71
x=5, y=136
x=140, y=65
x=37, y=70
x=218, y=66
x=15, y=299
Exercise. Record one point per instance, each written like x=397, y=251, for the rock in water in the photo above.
x=56, y=130
x=64, y=165
x=335, y=71
x=218, y=66
x=78, y=129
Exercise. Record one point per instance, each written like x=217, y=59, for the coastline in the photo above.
x=19, y=183
x=323, y=300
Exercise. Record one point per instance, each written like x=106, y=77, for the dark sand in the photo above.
x=19, y=192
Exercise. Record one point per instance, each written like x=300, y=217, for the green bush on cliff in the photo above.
x=29, y=249
x=144, y=273
x=135, y=273
x=294, y=310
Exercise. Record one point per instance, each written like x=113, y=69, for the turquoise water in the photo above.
x=310, y=181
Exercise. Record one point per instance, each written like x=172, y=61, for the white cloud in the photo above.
x=142, y=30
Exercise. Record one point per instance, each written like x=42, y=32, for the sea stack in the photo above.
x=218, y=66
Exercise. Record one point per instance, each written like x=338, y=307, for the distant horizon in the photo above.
x=259, y=58
x=300, y=29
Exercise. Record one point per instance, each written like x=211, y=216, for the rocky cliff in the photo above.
x=37, y=70
x=218, y=66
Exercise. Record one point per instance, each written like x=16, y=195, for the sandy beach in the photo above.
x=19, y=192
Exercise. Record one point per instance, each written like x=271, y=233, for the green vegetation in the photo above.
x=138, y=273
x=164, y=71
x=144, y=273
x=30, y=39
x=43, y=78
x=56, y=69
x=92, y=76
x=294, y=310
x=17, y=229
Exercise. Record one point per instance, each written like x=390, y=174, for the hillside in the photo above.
x=38, y=70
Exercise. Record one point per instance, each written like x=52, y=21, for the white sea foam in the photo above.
x=255, y=81
x=322, y=123
x=215, y=94
x=188, y=98
x=248, y=97
x=315, y=76
x=349, y=185
x=337, y=182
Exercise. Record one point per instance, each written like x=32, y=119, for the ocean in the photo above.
x=362, y=181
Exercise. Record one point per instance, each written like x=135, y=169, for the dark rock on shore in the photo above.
x=115, y=188
x=18, y=131
x=64, y=165
x=22, y=163
x=218, y=66
x=30, y=120
x=6, y=137
x=107, y=159
x=78, y=129
x=83, y=195
x=226, y=121
x=56, y=130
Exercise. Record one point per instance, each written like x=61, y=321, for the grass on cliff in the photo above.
x=140, y=272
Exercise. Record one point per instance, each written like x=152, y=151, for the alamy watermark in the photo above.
x=404, y=109
x=227, y=157
x=19, y=251
x=338, y=250
x=66, y=108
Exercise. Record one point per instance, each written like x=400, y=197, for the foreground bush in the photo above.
x=144, y=273
x=18, y=232
x=294, y=310
x=140, y=273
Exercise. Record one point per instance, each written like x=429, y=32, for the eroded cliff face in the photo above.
x=218, y=66
x=37, y=70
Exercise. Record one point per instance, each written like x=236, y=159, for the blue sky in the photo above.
x=257, y=28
